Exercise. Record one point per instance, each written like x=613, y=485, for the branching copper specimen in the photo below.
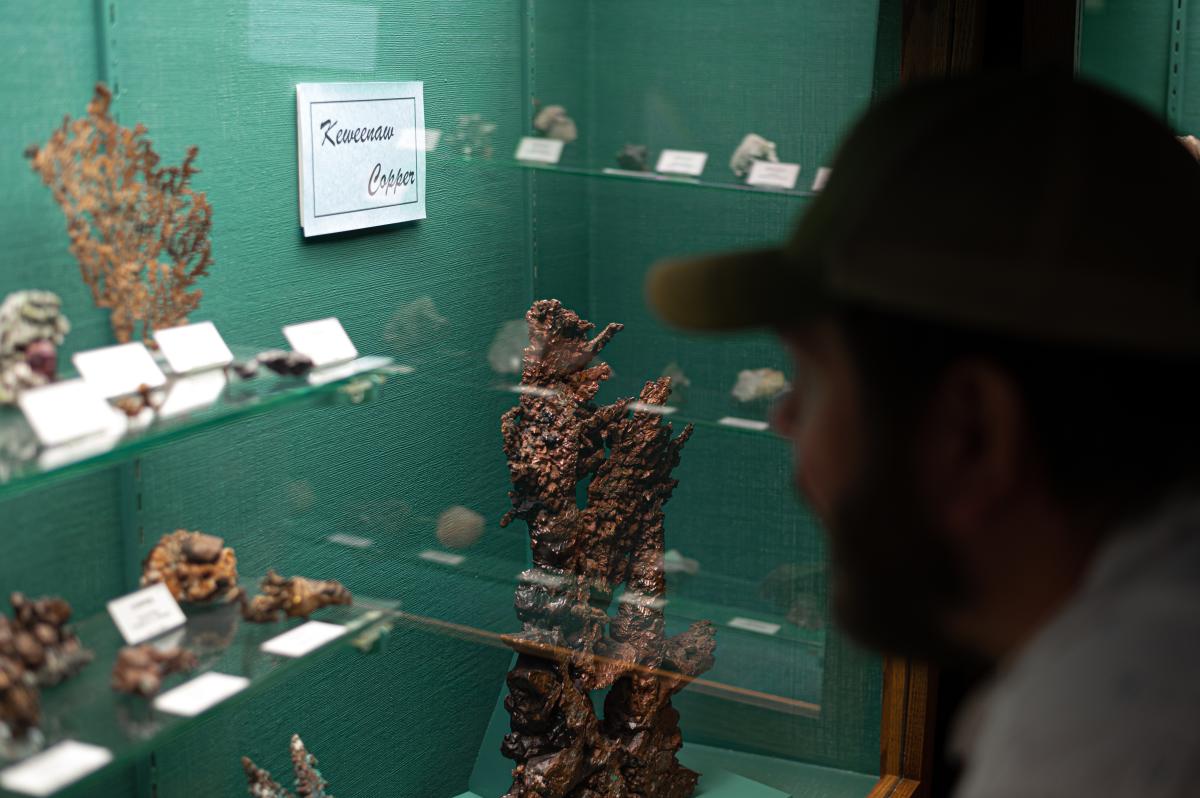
x=138, y=230
x=569, y=646
x=140, y=670
x=31, y=328
x=309, y=782
x=295, y=597
x=195, y=567
x=37, y=648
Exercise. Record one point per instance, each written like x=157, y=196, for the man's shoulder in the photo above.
x=1105, y=698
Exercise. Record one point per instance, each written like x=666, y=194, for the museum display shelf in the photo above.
x=802, y=191
x=191, y=404
x=85, y=709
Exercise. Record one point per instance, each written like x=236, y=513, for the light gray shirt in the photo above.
x=1105, y=700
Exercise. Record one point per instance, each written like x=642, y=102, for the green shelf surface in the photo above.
x=25, y=465
x=85, y=709
x=627, y=175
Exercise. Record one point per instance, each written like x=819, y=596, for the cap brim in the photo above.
x=757, y=288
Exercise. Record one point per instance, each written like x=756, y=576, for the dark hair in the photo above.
x=1117, y=431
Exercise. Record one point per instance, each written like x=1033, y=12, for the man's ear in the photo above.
x=972, y=446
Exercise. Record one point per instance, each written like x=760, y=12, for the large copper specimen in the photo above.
x=557, y=439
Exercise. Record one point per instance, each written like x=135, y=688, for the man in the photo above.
x=994, y=315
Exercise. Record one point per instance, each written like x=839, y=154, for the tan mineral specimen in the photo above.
x=196, y=568
x=295, y=597
x=140, y=670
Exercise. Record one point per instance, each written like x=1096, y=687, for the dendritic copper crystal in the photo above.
x=569, y=645
x=309, y=782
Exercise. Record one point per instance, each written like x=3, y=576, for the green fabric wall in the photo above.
x=220, y=74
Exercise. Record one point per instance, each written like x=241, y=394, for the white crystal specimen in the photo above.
x=753, y=384
x=753, y=148
x=556, y=124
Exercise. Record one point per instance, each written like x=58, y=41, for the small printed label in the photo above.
x=443, y=557
x=193, y=392
x=303, y=639
x=822, y=178
x=68, y=410
x=55, y=768
x=193, y=347
x=119, y=370
x=325, y=341
x=205, y=691
x=751, y=625
x=145, y=614
x=539, y=150
x=773, y=175
x=681, y=162
x=353, y=541
x=745, y=423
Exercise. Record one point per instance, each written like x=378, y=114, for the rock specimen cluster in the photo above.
x=569, y=646
x=752, y=147
x=140, y=670
x=295, y=597
x=37, y=649
x=555, y=123
x=196, y=568
x=32, y=327
x=309, y=782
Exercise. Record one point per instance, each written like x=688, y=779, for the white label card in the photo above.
x=745, y=423
x=773, y=175
x=361, y=154
x=822, y=178
x=193, y=392
x=751, y=625
x=443, y=557
x=68, y=410
x=353, y=541
x=55, y=768
x=325, y=341
x=207, y=690
x=539, y=150
x=304, y=638
x=193, y=347
x=682, y=162
x=145, y=614
x=119, y=370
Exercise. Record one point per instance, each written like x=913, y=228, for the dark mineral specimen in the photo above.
x=288, y=364
x=296, y=597
x=195, y=567
x=140, y=670
x=633, y=157
x=37, y=649
x=309, y=782
x=569, y=646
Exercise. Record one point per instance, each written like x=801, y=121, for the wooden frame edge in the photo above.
x=907, y=728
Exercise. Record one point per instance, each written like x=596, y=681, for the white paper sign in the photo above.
x=744, y=423
x=325, y=341
x=145, y=614
x=193, y=347
x=822, y=178
x=682, y=162
x=539, y=150
x=362, y=154
x=751, y=625
x=773, y=175
x=119, y=370
x=55, y=768
x=207, y=690
x=193, y=392
x=304, y=638
x=443, y=557
x=65, y=411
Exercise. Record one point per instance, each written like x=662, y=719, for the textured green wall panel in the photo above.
x=1125, y=44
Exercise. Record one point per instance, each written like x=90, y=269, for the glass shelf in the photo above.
x=612, y=173
x=192, y=403
x=85, y=708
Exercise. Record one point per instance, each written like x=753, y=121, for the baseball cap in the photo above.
x=1036, y=206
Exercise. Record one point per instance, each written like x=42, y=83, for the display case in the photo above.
x=393, y=476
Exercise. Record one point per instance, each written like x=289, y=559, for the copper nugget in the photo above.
x=295, y=597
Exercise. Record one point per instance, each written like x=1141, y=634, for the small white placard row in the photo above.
x=205, y=691
x=538, y=150
x=303, y=639
x=73, y=409
x=769, y=174
x=58, y=766
x=681, y=162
